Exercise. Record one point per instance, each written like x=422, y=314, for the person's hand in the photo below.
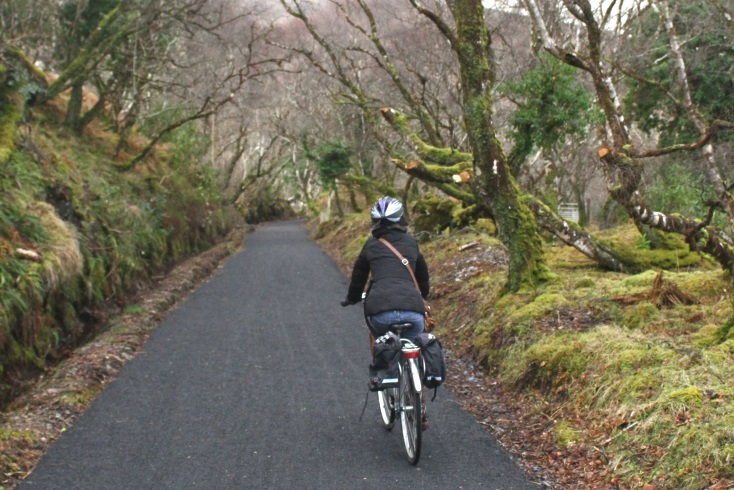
x=346, y=302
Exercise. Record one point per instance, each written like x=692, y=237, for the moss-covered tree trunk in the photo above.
x=353, y=199
x=337, y=202
x=494, y=184
x=74, y=107
x=11, y=109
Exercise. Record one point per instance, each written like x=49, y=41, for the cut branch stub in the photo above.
x=602, y=152
x=462, y=177
x=387, y=113
x=28, y=254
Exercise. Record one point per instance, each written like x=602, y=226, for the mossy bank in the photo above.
x=633, y=370
x=78, y=235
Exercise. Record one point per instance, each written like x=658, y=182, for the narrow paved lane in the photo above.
x=257, y=381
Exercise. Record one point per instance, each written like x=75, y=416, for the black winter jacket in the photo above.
x=391, y=287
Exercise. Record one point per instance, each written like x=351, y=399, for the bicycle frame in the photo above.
x=405, y=402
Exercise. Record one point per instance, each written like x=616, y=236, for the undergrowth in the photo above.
x=649, y=374
x=98, y=233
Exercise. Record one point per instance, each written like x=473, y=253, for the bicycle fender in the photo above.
x=415, y=376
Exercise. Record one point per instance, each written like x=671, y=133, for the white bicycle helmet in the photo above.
x=387, y=208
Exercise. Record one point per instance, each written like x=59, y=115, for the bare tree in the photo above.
x=619, y=156
x=27, y=25
x=694, y=115
x=492, y=186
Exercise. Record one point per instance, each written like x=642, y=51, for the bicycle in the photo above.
x=407, y=399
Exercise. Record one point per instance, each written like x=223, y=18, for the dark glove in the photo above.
x=346, y=302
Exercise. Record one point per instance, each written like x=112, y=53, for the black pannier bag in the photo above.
x=385, y=369
x=434, y=373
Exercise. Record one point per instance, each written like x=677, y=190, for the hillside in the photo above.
x=80, y=233
x=605, y=380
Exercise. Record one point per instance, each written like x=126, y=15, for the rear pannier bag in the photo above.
x=434, y=373
x=385, y=369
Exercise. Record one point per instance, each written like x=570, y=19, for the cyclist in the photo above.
x=391, y=294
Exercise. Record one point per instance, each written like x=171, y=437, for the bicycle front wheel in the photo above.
x=410, y=417
x=387, y=400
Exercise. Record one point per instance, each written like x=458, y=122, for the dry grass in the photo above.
x=62, y=259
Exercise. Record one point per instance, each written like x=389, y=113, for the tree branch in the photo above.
x=439, y=156
x=440, y=24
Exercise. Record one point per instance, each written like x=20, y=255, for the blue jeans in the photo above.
x=380, y=322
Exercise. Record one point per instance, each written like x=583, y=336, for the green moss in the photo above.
x=584, y=283
x=639, y=314
x=706, y=285
x=437, y=155
x=546, y=361
x=671, y=253
x=519, y=233
x=726, y=331
x=536, y=309
x=9, y=119
x=705, y=336
x=485, y=225
x=565, y=434
x=17, y=435
x=644, y=279
x=689, y=397
x=66, y=316
x=352, y=248
x=727, y=345
x=631, y=356
x=463, y=216
x=484, y=340
x=35, y=73
x=433, y=215
x=81, y=397
x=133, y=310
x=509, y=304
x=638, y=385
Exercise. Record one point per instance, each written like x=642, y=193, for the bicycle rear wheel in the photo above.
x=410, y=417
x=387, y=399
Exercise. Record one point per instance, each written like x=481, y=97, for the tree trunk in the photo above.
x=90, y=115
x=353, y=199
x=495, y=185
x=574, y=236
x=406, y=194
x=74, y=107
x=337, y=202
x=10, y=116
x=694, y=116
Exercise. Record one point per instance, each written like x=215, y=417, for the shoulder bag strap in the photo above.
x=403, y=260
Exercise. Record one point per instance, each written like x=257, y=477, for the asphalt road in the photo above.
x=257, y=381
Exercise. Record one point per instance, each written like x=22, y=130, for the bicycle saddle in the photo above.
x=398, y=328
